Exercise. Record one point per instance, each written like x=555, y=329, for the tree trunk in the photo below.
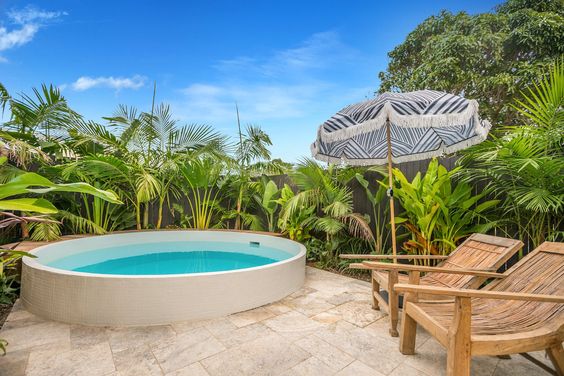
x=25, y=230
x=138, y=215
x=160, y=217
x=146, y=215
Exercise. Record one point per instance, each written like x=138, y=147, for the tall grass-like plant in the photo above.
x=524, y=165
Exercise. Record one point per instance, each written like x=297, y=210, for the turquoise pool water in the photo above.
x=170, y=258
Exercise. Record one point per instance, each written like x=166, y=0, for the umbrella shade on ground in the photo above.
x=400, y=127
x=422, y=124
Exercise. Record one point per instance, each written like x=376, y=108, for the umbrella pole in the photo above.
x=390, y=191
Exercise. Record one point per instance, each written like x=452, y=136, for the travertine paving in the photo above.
x=326, y=328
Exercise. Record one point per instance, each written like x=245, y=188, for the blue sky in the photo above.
x=288, y=64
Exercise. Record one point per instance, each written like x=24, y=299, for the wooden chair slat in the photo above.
x=499, y=327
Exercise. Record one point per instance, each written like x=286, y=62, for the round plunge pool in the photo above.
x=159, y=277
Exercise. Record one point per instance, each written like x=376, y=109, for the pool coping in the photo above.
x=32, y=262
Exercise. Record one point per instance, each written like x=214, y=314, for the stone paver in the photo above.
x=186, y=348
x=325, y=328
x=91, y=361
x=252, y=316
x=136, y=361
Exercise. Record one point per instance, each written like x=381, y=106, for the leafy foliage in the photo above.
x=437, y=213
x=323, y=204
x=8, y=281
x=377, y=199
x=267, y=197
x=201, y=177
x=490, y=57
x=524, y=166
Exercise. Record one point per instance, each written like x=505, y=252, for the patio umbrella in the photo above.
x=399, y=127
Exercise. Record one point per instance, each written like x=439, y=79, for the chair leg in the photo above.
x=375, y=290
x=408, y=324
x=393, y=303
x=408, y=334
x=556, y=355
x=459, y=339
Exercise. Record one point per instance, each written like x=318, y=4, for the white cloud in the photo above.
x=257, y=102
x=319, y=51
x=285, y=84
x=117, y=83
x=262, y=103
x=32, y=14
x=288, y=92
x=27, y=22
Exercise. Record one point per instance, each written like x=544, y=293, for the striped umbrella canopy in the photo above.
x=400, y=127
x=422, y=124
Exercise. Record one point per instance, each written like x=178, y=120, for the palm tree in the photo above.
x=251, y=159
x=144, y=155
x=35, y=124
x=326, y=190
x=40, y=113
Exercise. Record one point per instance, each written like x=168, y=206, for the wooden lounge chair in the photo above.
x=520, y=312
x=478, y=253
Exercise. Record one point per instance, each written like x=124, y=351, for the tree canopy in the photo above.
x=490, y=57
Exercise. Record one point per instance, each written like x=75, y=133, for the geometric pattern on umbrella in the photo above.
x=423, y=124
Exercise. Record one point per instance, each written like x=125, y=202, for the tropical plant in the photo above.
x=8, y=274
x=326, y=191
x=201, y=178
x=8, y=280
x=297, y=224
x=378, y=200
x=251, y=159
x=524, y=166
x=437, y=213
x=143, y=157
x=164, y=145
x=32, y=183
x=266, y=196
x=134, y=183
x=34, y=128
x=25, y=183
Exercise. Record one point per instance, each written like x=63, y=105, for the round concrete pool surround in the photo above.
x=129, y=300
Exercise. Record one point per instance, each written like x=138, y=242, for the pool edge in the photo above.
x=102, y=300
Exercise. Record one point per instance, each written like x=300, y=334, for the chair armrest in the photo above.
x=358, y=265
x=469, y=293
x=434, y=269
x=390, y=257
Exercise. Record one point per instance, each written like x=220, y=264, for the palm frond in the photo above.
x=358, y=226
x=80, y=225
x=44, y=231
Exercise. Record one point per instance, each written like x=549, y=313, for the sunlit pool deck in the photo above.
x=326, y=328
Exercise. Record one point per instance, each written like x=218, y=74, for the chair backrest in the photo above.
x=540, y=272
x=480, y=252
